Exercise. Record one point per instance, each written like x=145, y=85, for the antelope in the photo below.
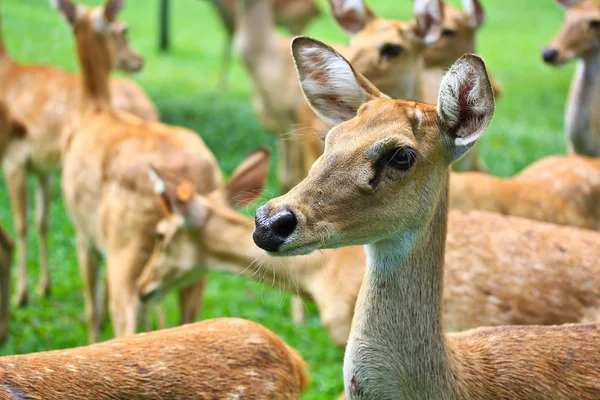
x=223, y=358
x=578, y=39
x=11, y=130
x=480, y=289
x=382, y=182
x=295, y=15
x=48, y=98
x=114, y=211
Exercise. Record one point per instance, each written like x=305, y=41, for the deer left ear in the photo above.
x=466, y=104
x=429, y=15
x=67, y=8
x=112, y=9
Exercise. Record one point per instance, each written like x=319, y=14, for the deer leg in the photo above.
x=14, y=173
x=5, y=262
x=88, y=265
x=43, y=197
x=190, y=300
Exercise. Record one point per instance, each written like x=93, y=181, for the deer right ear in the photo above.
x=568, y=3
x=466, y=104
x=332, y=88
x=351, y=15
x=67, y=8
x=249, y=178
x=429, y=15
x=474, y=10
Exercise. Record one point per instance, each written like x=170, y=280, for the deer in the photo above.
x=222, y=358
x=48, y=99
x=382, y=182
x=480, y=289
x=11, y=130
x=294, y=15
x=577, y=39
x=113, y=210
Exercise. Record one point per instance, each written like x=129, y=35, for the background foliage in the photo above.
x=527, y=126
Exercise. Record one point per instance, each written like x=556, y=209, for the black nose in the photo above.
x=272, y=231
x=549, y=55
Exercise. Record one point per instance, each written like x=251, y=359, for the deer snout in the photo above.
x=271, y=231
x=550, y=55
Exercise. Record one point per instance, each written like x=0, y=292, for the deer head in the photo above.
x=178, y=255
x=389, y=53
x=102, y=22
x=385, y=161
x=579, y=37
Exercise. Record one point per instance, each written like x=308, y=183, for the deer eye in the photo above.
x=159, y=236
x=401, y=158
x=448, y=33
x=389, y=50
x=595, y=24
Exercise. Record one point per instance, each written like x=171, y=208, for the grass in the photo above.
x=527, y=126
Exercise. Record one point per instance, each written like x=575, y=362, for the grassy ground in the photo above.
x=527, y=126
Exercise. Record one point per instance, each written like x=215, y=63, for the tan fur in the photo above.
x=108, y=193
x=223, y=358
x=294, y=15
x=48, y=98
x=397, y=348
x=578, y=40
x=562, y=190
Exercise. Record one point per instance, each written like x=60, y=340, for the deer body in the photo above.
x=48, y=98
x=383, y=182
x=113, y=210
x=563, y=190
x=174, y=363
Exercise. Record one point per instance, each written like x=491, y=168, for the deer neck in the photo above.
x=227, y=239
x=397, y=348
x=582, y=120
x=255, y=34
x=408, y=86
x=94, y=60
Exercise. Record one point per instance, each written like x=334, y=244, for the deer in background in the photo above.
x=48, y=98
x=578, y=39
x=383, y=183
x=294, y=15
x=480, y=286
x=225, y=358
x=105, y=187
x=11, y=130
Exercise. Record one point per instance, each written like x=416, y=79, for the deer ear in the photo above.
x=568, y=3
x=429, y=16
x=249, y=178
x=332, y=88
x=67, y=8
x=112, y=9
x=466, y=104
x=474, y=10
x=352, y=15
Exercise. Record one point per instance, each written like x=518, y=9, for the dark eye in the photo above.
x=402, y=158
x=389, y=50
x=448, y=33
x=159, y=235
x=595, y=24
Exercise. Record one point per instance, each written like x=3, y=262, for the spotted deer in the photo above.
x=578, y=40
x=382, y=182
x=48, y=98
x=105, y=186
x=294, y=15
x=480, y=287
x=225, y=358
x=11, y=131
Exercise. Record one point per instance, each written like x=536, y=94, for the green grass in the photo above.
x=527, y=126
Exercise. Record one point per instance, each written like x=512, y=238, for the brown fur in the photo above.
x=216, y=359
x=397, y=348
x=108, y=193
x=48, y=98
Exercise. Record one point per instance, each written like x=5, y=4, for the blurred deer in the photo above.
x=578, y=39
x=382, y=182
x=106, y=190
x=12, y=132
x=49, y=98
x=294, y=15
x=493, y=277
x=223, y=358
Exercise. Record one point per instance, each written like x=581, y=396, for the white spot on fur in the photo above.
x=71, y=368
x=80, y=357
x=49, y=370
x=159, y=184
x=118, y=355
